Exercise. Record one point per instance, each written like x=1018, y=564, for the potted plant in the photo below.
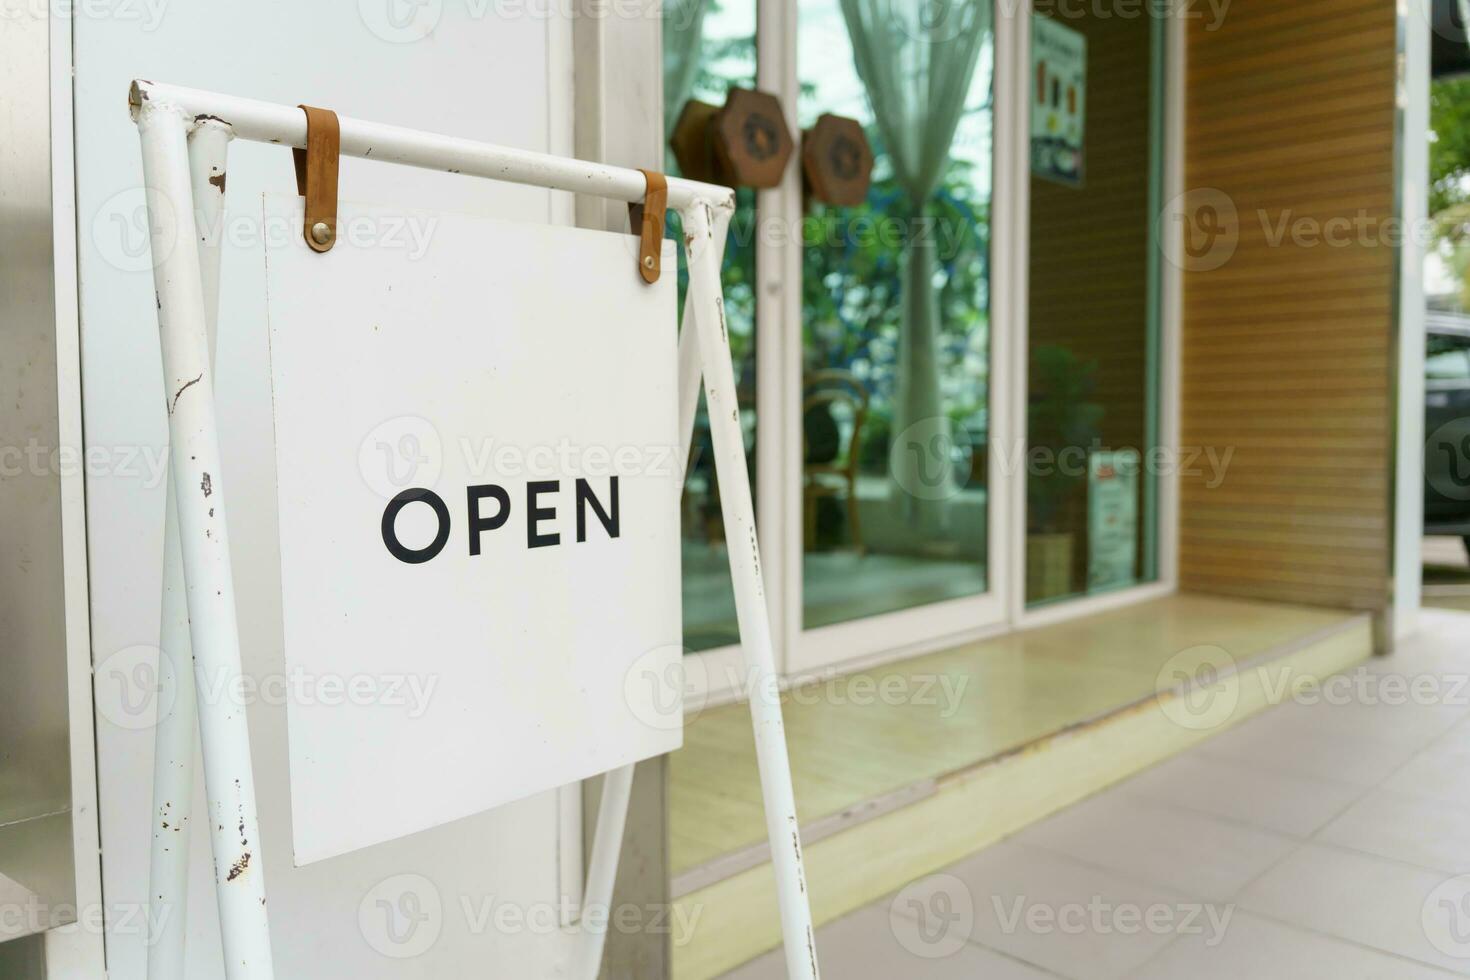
x=1063, y=423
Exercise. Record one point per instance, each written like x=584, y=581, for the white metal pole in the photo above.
x=690, y=366
x=176, y=731
x=194, y=461
x=612, y=817
x=209, y=146
x=267, y=122
x=738, y=510
x=617, y=785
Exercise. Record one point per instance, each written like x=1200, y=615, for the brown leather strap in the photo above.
x=316, y=176
x=648, y=221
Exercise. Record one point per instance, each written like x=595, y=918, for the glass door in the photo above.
x=1093, y=362
x=994, y=295
x=893, y=457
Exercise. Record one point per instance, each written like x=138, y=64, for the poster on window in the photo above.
x=1058, y=101
x=1112, y=520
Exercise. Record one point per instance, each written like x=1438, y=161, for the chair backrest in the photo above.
x=821, y=390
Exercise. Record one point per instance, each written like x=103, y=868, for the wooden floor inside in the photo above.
x=850, y=745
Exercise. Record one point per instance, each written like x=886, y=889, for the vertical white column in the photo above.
x=198, y=487
x=176, y=732
x=707, y=301
x=1416, y=39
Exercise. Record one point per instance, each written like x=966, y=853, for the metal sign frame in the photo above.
x=185, y=135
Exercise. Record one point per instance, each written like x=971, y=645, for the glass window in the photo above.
x=1096, y=152
x=709, y=48
x=895, y=311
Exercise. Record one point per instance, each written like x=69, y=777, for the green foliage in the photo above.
x=1061, y=418
x=1449, y=145
x=1449, y=176
x=852, y=296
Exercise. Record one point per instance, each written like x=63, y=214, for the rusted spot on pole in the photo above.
x=239, y=867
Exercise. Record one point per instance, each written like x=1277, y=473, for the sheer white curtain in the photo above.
x=683, y=32
x=916, y=59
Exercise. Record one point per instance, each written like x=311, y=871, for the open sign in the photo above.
x=488, y=508
x=528, y=598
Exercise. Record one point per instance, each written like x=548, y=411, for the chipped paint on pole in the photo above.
x=203, y=538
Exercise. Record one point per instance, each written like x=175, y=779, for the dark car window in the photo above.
x=1447, y=358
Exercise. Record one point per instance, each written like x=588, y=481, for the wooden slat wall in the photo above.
x=1286, y=349
x=1089, y=245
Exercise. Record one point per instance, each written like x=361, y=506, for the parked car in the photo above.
x=1447, y=424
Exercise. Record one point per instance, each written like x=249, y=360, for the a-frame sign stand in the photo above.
x=185, y=134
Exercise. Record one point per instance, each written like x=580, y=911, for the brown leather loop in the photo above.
x=316, y=175
x=648, y=221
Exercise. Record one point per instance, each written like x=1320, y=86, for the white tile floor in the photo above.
x=1325, y=838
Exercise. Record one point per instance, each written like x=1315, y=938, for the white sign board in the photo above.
x=478, y=490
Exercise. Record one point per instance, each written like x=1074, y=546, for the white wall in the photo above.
x=476, y=75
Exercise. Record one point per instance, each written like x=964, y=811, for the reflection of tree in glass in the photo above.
x=1063, y=419
x=851, y=285
x=852, y=292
